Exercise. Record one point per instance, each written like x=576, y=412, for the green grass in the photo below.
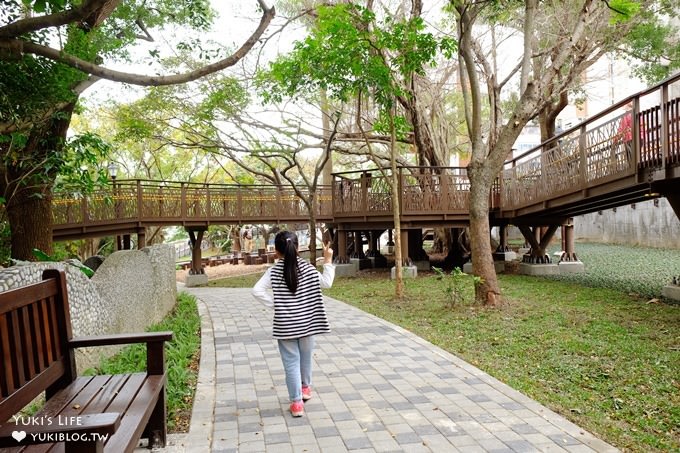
x=181, y=358
x=606, y=360
x=638, y=270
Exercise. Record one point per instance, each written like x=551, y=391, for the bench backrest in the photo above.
x=35, y=327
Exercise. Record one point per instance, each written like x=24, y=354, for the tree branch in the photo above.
x=138, y=79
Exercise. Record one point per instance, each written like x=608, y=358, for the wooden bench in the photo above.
x=86, y=413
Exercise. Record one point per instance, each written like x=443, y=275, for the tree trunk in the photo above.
x=30, y=219
x=548, y=116
x=312, y=235
x=29, y=192
x=487, y=291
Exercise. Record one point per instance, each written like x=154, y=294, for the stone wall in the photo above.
x=131, y=290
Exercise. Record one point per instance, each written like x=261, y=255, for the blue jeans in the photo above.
x=297, y=362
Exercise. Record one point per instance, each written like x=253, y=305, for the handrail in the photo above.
x=597, y=116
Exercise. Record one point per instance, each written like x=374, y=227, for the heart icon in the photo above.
x=19, y=435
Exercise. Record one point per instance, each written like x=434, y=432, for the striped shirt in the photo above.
x=298, y=314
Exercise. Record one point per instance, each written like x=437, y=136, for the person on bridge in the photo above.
x=299, y=312
x=624, y=134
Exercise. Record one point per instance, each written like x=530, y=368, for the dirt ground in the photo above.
x=224, y=270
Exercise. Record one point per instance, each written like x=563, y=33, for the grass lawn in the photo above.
x=604, y=359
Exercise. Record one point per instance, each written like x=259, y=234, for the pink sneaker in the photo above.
x=306, y=393
x=297, y=409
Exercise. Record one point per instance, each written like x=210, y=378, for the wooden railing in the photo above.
x=424, y=191
x=595, y=152
x=160, y=202
x=589, y=155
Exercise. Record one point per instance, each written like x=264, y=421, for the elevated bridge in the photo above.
x=616, y=157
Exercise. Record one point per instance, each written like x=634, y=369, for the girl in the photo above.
x=299, y=313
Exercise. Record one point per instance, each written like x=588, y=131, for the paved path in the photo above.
x=377, y=388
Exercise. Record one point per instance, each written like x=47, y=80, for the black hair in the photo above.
x=286, y=243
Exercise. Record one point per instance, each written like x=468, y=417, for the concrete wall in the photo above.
x=131, y=290
x=645, y=225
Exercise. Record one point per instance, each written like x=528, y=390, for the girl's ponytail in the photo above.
x=286, y=244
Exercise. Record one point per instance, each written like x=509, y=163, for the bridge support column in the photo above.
x=405, y=258
x=358, y=246
x=538, y=238
x=343, y=266
x=141, y=239
x=503, y=252
x=569, y=262
x=568, y=253
x=342, y=257
x=390, y=242
x=377, y=259
x=359, y=257
x=408, y=270
x=537, y=262
x=419, y=257
x=196, y=275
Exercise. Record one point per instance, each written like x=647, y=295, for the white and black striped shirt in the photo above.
x=298, y=314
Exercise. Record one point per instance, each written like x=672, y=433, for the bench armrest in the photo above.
x=120, y=338
x=155, y=352
x=54, y=429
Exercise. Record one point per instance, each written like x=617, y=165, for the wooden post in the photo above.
x=582, y=148
x=404, y=247
x=342, y=246
x=665, y=131
x=568, y=240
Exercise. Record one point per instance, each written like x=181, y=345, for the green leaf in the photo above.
x=42, y=256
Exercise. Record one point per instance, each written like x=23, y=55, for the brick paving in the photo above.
x=377, y=388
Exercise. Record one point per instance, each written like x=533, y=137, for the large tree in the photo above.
x=556, y=49
x=351, y=54
x=50, y=52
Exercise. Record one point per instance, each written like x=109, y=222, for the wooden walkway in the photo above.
x=587, y=168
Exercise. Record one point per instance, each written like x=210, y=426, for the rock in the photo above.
x=94, y=262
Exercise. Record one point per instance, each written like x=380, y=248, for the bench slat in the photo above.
x=17, y=346
x=70, y=401
x=18, y=297
x=50, y=351
x=15, y=402
x=39, y=358
x=6, y=379
x=28, y=335
x=102, y=400
x=134, y=420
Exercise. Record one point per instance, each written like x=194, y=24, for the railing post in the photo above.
x=183, y=201
x=333, y=192
x=364, y=193
x=444, y=191
x=637, y=133
x=83, y=211
x=140, y=201
x=400, y=188
x=582, y=147
x=664, y=127
x=208, y=209
x=239, y=204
